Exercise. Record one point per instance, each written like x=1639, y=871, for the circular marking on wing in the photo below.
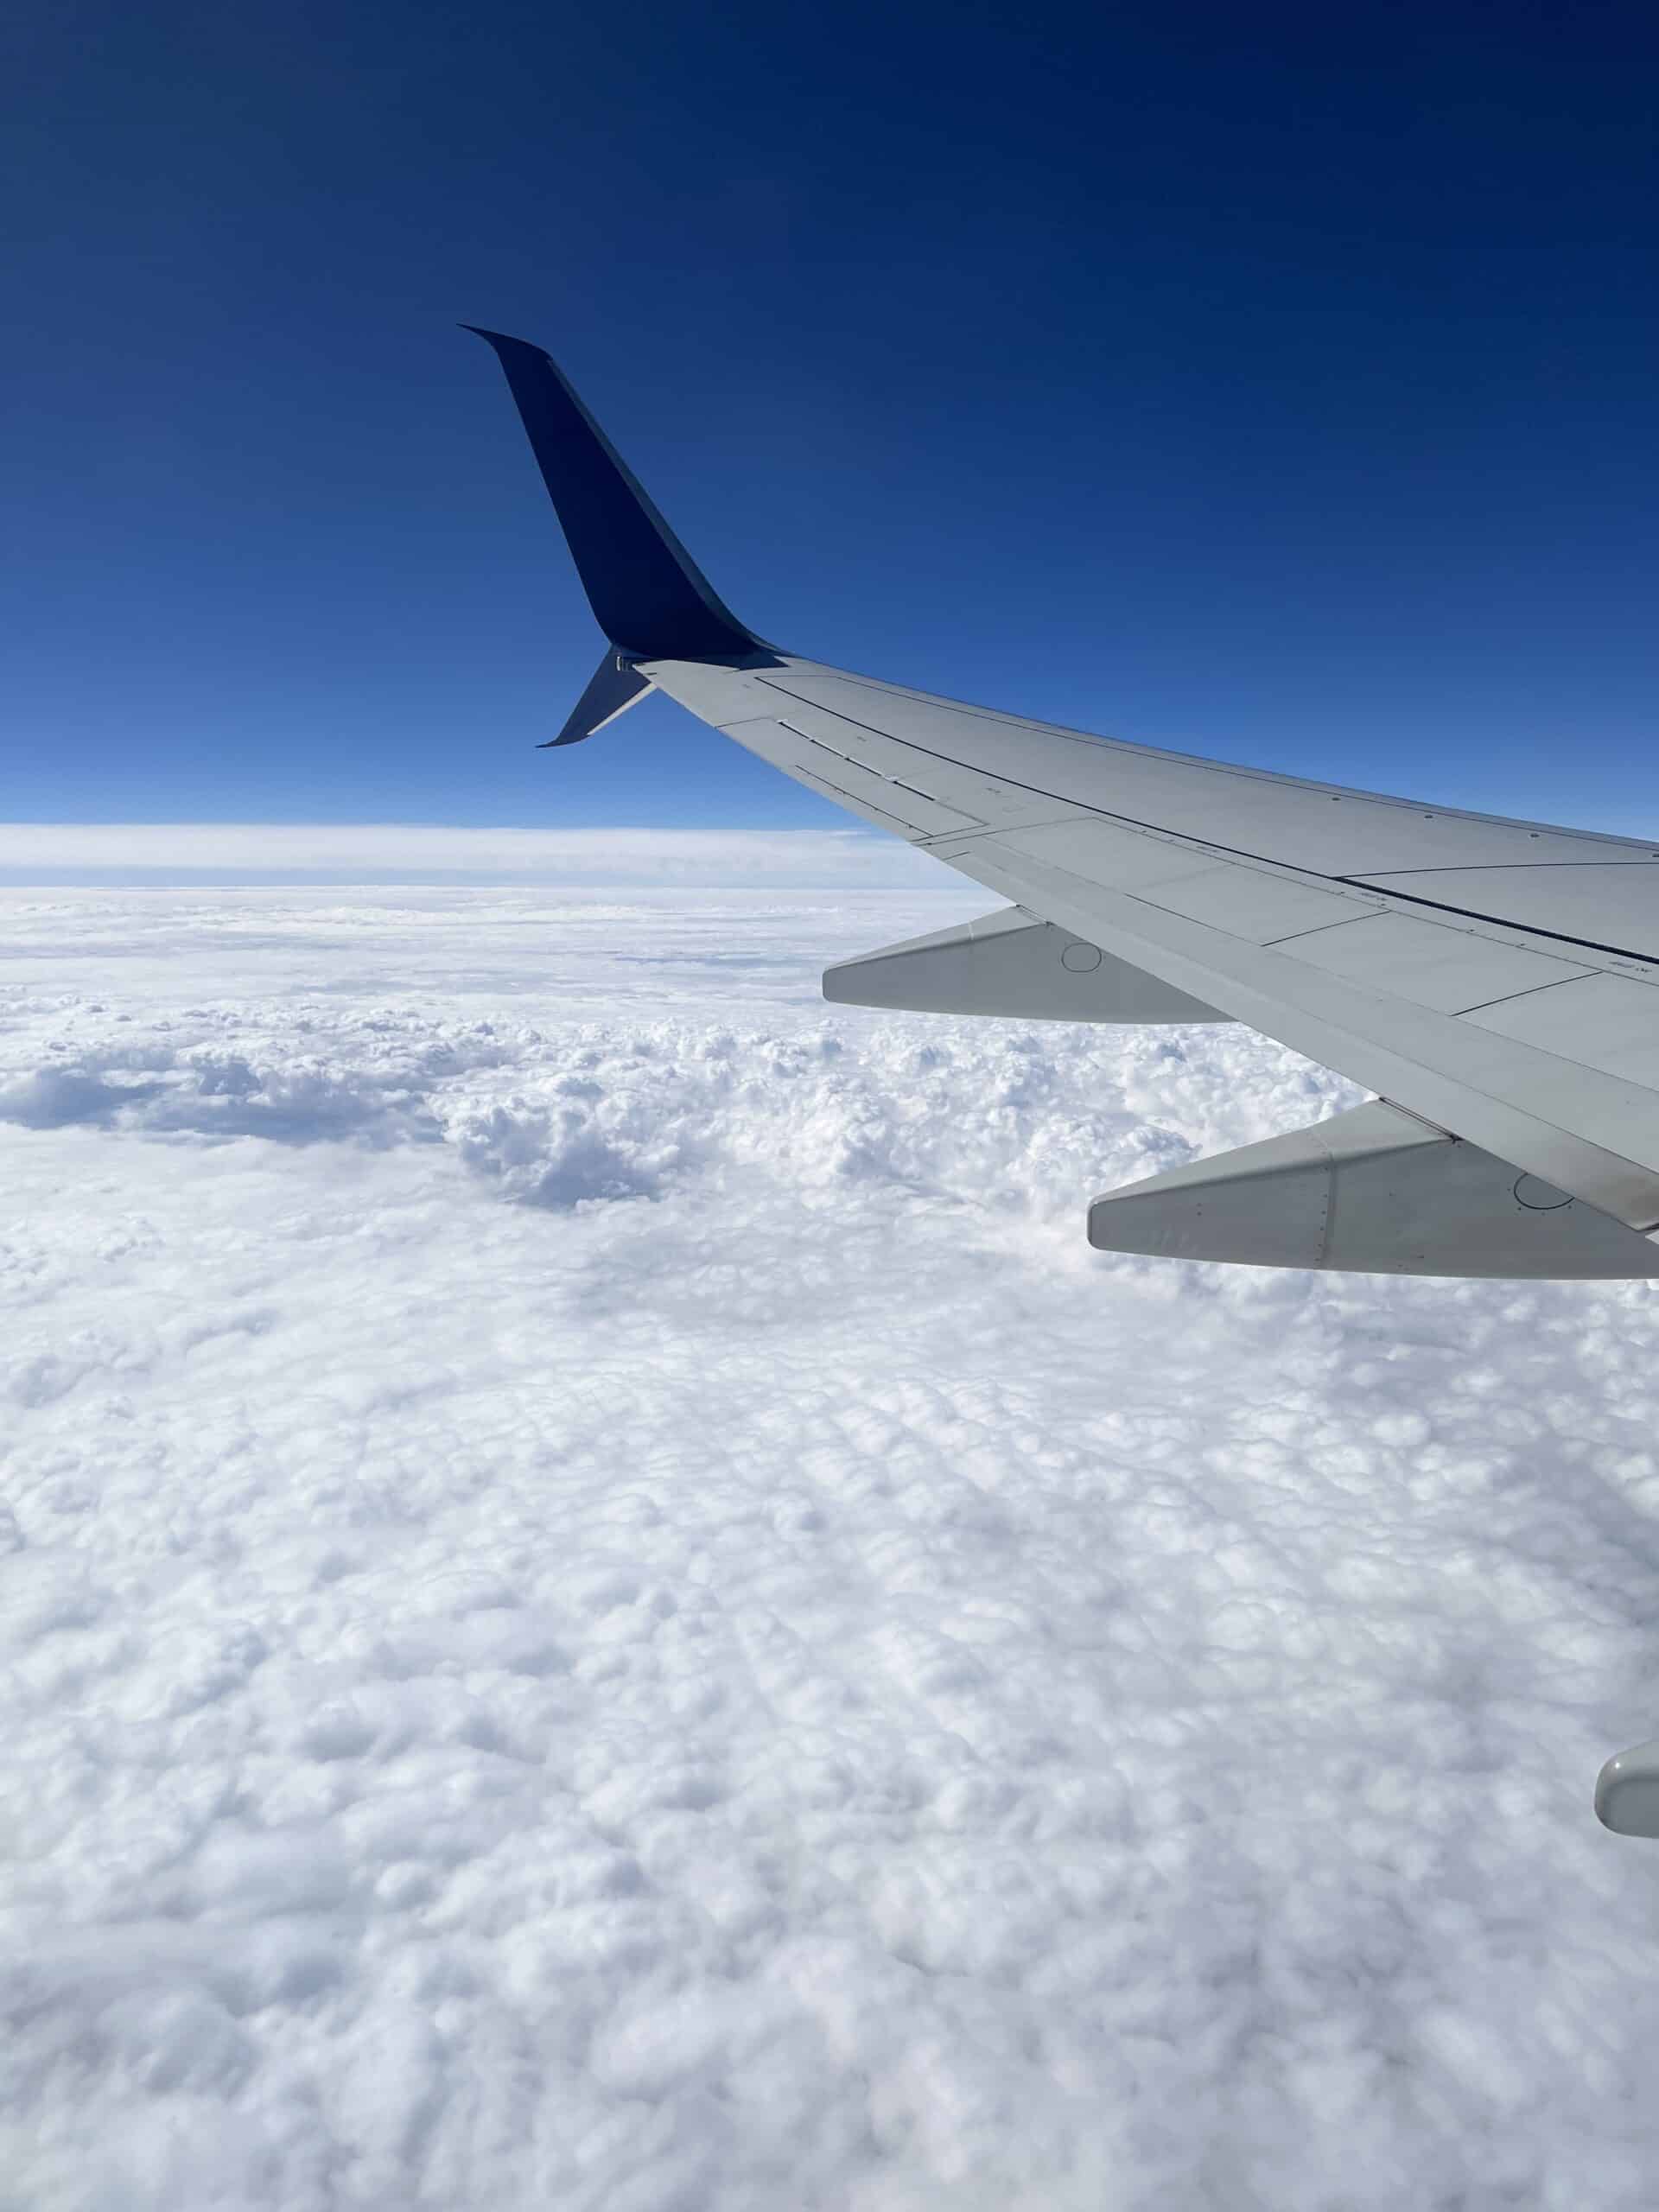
x=1540, y=1197
x=1080, y=958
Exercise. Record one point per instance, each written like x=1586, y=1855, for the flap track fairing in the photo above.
x=1011, y=964
x=1377, y=1192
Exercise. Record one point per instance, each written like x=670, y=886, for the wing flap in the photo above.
x=1112, y=853
x=1251, y=902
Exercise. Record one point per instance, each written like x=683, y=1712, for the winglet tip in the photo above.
x=497, y=339
x=646, y=591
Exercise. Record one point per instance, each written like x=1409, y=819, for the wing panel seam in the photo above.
x=1159, y=754
x=1499, y=921
x=1241, y=852
x=1532, y=991
x=1605, y=1170
x=1481, y=867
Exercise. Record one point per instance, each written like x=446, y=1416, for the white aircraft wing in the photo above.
x=1495, y=983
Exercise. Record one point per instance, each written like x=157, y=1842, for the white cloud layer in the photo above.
x=414, y=852
x=604, y=1607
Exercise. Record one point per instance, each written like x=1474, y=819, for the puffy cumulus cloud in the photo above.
x=604, y=1605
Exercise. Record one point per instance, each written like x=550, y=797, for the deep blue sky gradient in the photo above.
x=1278, y=382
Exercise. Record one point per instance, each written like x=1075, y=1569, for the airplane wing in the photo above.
x=1495, y=983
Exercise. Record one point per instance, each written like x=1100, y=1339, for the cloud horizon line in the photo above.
x=191, y=855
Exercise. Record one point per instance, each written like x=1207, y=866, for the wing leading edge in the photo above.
x=1498, y=981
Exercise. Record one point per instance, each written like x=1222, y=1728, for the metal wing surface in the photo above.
x=1495, y=983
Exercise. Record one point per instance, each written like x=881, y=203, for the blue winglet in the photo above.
x=650, y=597
x=615, y=685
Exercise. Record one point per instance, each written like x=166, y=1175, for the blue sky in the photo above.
x=1278, y=384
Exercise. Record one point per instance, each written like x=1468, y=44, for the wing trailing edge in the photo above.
x=1375, y=1191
